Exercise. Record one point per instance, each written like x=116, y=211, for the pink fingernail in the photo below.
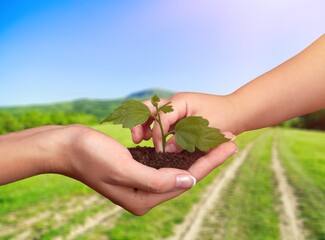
x=185, y=181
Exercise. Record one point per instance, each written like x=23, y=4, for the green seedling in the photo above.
x=190, y=132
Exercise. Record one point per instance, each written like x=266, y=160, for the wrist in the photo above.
x=46, y=149
x=61, y=150
x=68, y=149
x=235, y=117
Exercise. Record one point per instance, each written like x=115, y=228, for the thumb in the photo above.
x=170, y=179
x=155, y=181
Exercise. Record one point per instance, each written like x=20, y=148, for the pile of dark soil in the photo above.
x=149, y=157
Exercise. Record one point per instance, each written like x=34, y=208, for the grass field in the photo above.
x=49, y=206
x=248, y=205
x=303, y=157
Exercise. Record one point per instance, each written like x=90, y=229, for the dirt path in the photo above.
x=91, y=222
x=290, y=226
x=189, y=229
x=24, y=228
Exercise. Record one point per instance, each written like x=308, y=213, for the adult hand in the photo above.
x=100, y=162
x=106, y=166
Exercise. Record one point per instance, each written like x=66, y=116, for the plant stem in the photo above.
x=163, y=136
x=158, y=119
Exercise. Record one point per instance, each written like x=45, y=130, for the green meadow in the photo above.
x=303, y=156
x=247, y=209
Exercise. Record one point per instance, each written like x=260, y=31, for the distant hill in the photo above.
x=148, y=93
x=99, y=108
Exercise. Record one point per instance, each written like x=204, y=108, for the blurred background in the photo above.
x=73, y=61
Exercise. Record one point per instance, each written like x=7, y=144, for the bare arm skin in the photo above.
x=294, y=88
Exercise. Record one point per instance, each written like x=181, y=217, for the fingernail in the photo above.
x=233, y=138
x=170, y=148
x=185, y=181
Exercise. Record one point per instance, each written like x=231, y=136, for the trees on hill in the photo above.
x=314, y=121
x=15, y=122
x=10, y=122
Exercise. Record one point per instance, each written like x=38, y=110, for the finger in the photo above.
x=147, y=132
x=142, y=132
x=204, y=165
x=145, y=201
x=172, y=146
x=136, y=202
x=137, y=134
x=125, y=197
x=149, y=179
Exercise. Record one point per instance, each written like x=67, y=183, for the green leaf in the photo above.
x=166, y=108
x=193, y=132
x=130, y=114
x=155, y=100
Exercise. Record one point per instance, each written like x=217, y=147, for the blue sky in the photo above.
x=60, y=50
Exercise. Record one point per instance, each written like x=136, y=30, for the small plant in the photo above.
x=190, y=132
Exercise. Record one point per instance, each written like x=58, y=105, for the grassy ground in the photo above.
x=247, y=209
x=38, y=190
x=302, y=154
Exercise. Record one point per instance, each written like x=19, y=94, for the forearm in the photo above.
x=26, y=153
x=292, y=89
